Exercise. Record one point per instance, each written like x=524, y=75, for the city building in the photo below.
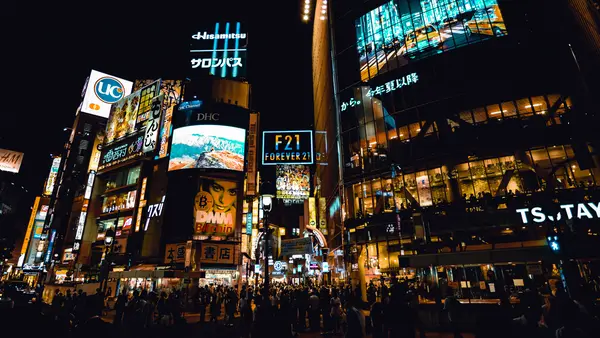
x=328, y=186
x=462, y=138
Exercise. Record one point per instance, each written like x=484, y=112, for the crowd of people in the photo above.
x=388, y=310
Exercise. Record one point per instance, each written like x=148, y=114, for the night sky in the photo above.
x=47, y=53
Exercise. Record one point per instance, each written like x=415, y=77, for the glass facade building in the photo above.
x=441, y=146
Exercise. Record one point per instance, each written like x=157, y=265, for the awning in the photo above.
x=481, y=257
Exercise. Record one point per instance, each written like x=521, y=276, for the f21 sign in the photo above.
x=287, y=147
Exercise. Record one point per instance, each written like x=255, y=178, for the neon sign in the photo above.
x=386, y=88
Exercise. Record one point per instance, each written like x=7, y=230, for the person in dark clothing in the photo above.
x=302, y=307
x=355, y=321
x=377, y=320
x=215, y=306
x=174, y=305
x=230, y=306
x=120, y=308
x=371, y=295
x=203, y=302
x=162, y=307
x=325, y=306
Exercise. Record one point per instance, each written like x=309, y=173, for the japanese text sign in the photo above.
x=216, y=253
x=175, y=253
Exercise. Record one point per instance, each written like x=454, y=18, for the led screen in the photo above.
x=400, y=30
x=293, y=183
x=208, y=147
x=215, y=207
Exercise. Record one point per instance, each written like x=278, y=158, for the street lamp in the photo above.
x=266, y=190
x=109, y=242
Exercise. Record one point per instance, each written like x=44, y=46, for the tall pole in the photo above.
x=266, y=253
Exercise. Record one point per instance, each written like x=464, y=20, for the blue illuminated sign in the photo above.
x=248, y=223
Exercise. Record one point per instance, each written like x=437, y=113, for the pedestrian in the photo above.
x=336, y=311
x=174, y=308
x=164, y=315
x=215, y=306
x=355, y=320
x=203, y=302
x=313, y=317
x=120, y=305
x=454, y=309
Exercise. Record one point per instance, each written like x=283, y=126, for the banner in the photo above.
x=216, y=253
x=153, y=124
x=251, y=167
x=175, y=253
x=299, y=246
x=52, y=176
x=312, y=212
x=322, y=217
x=215, y=207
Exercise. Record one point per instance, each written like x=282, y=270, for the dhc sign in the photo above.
x=579, y=210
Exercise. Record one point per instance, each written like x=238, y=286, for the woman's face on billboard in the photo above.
x=224, y=194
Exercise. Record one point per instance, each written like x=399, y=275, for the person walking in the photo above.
x=336, y=311
x=120, y=305
x=203, y=302
x=313, y=317
x=215, y=306
x=355, y=320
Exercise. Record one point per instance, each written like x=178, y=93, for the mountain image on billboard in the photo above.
x=208, y=147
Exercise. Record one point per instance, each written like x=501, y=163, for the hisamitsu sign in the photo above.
x=287, y=147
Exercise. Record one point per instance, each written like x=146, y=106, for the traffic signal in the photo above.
x=554, y=243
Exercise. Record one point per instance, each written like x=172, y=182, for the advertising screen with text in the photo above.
x=215, y=207
x=398, y=31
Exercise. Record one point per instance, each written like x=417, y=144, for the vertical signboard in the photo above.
x=312, y=212
x=95, y=156
x=321, y=147
x=251, y=157
x=153, y=124
x=52, y=176
x=29, y=231
x=322, y=216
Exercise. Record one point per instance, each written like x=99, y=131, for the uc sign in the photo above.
x=287, y=147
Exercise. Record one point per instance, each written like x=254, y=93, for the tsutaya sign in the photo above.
x=579, y=210
x=387, y=87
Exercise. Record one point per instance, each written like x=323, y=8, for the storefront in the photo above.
x=219, y=276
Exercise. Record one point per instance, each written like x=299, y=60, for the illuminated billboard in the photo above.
x=49, y=187
x=101, y=91
x=292, y=183
x=215, y=207
x=123, y=117
x=10, y=160
x=287, y=147
x=171, y=91
x=220, y=50
x=208, y=147
x=398, y=31
x=131, y=114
